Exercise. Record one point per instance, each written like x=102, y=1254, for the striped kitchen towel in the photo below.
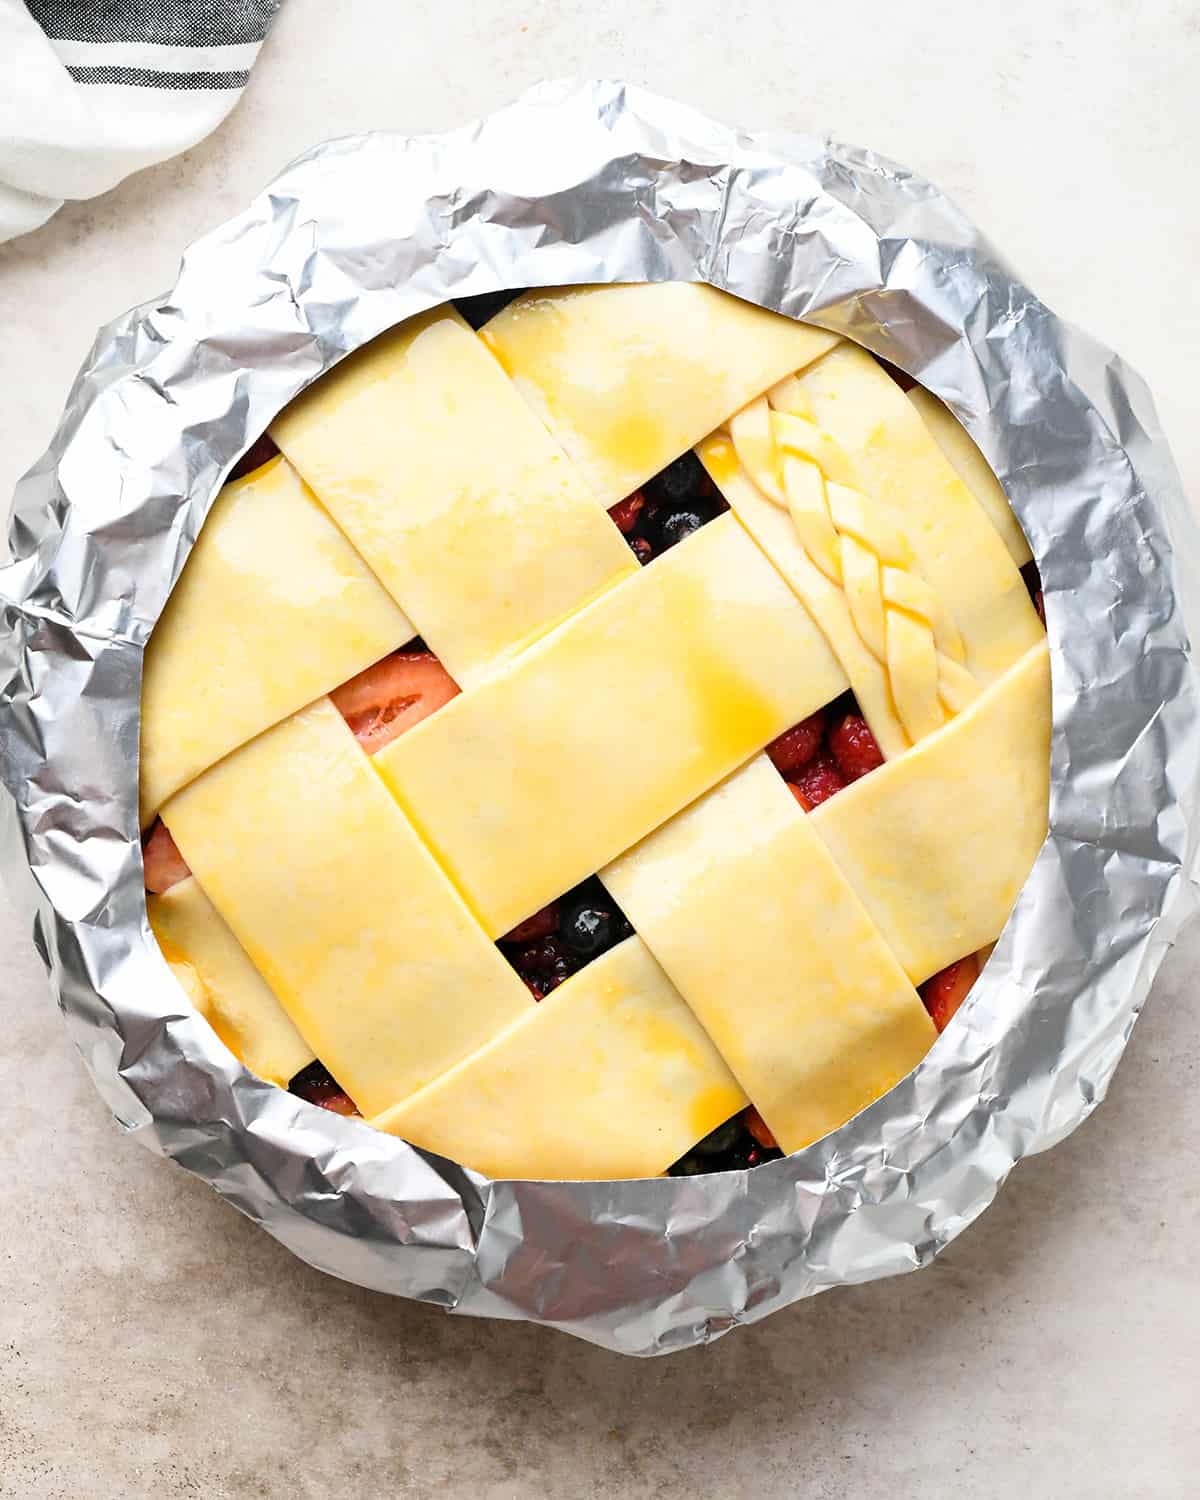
x=91, y=90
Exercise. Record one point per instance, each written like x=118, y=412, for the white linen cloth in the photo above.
x=91, y=90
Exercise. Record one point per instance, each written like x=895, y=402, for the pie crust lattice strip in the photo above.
x=610, y=720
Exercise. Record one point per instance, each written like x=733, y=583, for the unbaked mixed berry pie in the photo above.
x=598, y=745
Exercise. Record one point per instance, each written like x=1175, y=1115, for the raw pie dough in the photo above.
x=612, y=720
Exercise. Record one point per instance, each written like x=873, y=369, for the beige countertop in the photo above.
x=154, y=1343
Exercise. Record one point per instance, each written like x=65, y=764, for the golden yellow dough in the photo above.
x=973, y=469
x=629, y=377
x=897, y=462
x=453, y=491
x=773, y=529
x=939, y=843
x=342, y=909
x=272, y=609
x=610, y=725
x=610, y=1076
x=756, y=926
x=231, y=993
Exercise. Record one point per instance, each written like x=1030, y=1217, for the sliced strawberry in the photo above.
x=318, y=1086
x=626, y=512
x=540, y=925
x=796, y=746
x=393, y=695
x=164, y=865
x=759, y=1128
x=854, y=747
x=817, y=782
x=337, y=1103
x=947, y=990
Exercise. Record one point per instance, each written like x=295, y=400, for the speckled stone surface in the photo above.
x=153, y=1343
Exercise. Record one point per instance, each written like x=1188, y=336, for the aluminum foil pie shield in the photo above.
x=583, y=183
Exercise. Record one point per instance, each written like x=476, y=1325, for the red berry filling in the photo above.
x=796, y=746
x=817, y=782
x=759, y=1129
x=853, y=746
x=626, y=512
x=392, y=696
x=540, y=925
x=316, y=1084
x=946, y=990
x=825, y=752
x=164, y=865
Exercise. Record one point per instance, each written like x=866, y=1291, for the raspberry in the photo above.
x=796, y=746
x=541, y=957
x=817, y=782
x=543, y=965
x=626, y=512
x=540, y=925
x=947, y=990
x=854, y=747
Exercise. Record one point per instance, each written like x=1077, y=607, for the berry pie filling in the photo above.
x=668, y=508
x=561, y=938
x=459, y=820
x=393, y=695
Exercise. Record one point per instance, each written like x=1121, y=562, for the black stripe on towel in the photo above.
x=151, y=78
x=173, y=23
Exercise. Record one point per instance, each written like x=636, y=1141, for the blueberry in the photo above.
x=643, y=550
x=587, y=929
x=681, y=482
x=727, y=1137
x=687, y=1166
x=679, y=524
x=728, y=1148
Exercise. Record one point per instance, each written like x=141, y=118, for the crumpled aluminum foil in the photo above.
x=581, y=183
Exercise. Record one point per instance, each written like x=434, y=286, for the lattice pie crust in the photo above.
x=612, y=720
